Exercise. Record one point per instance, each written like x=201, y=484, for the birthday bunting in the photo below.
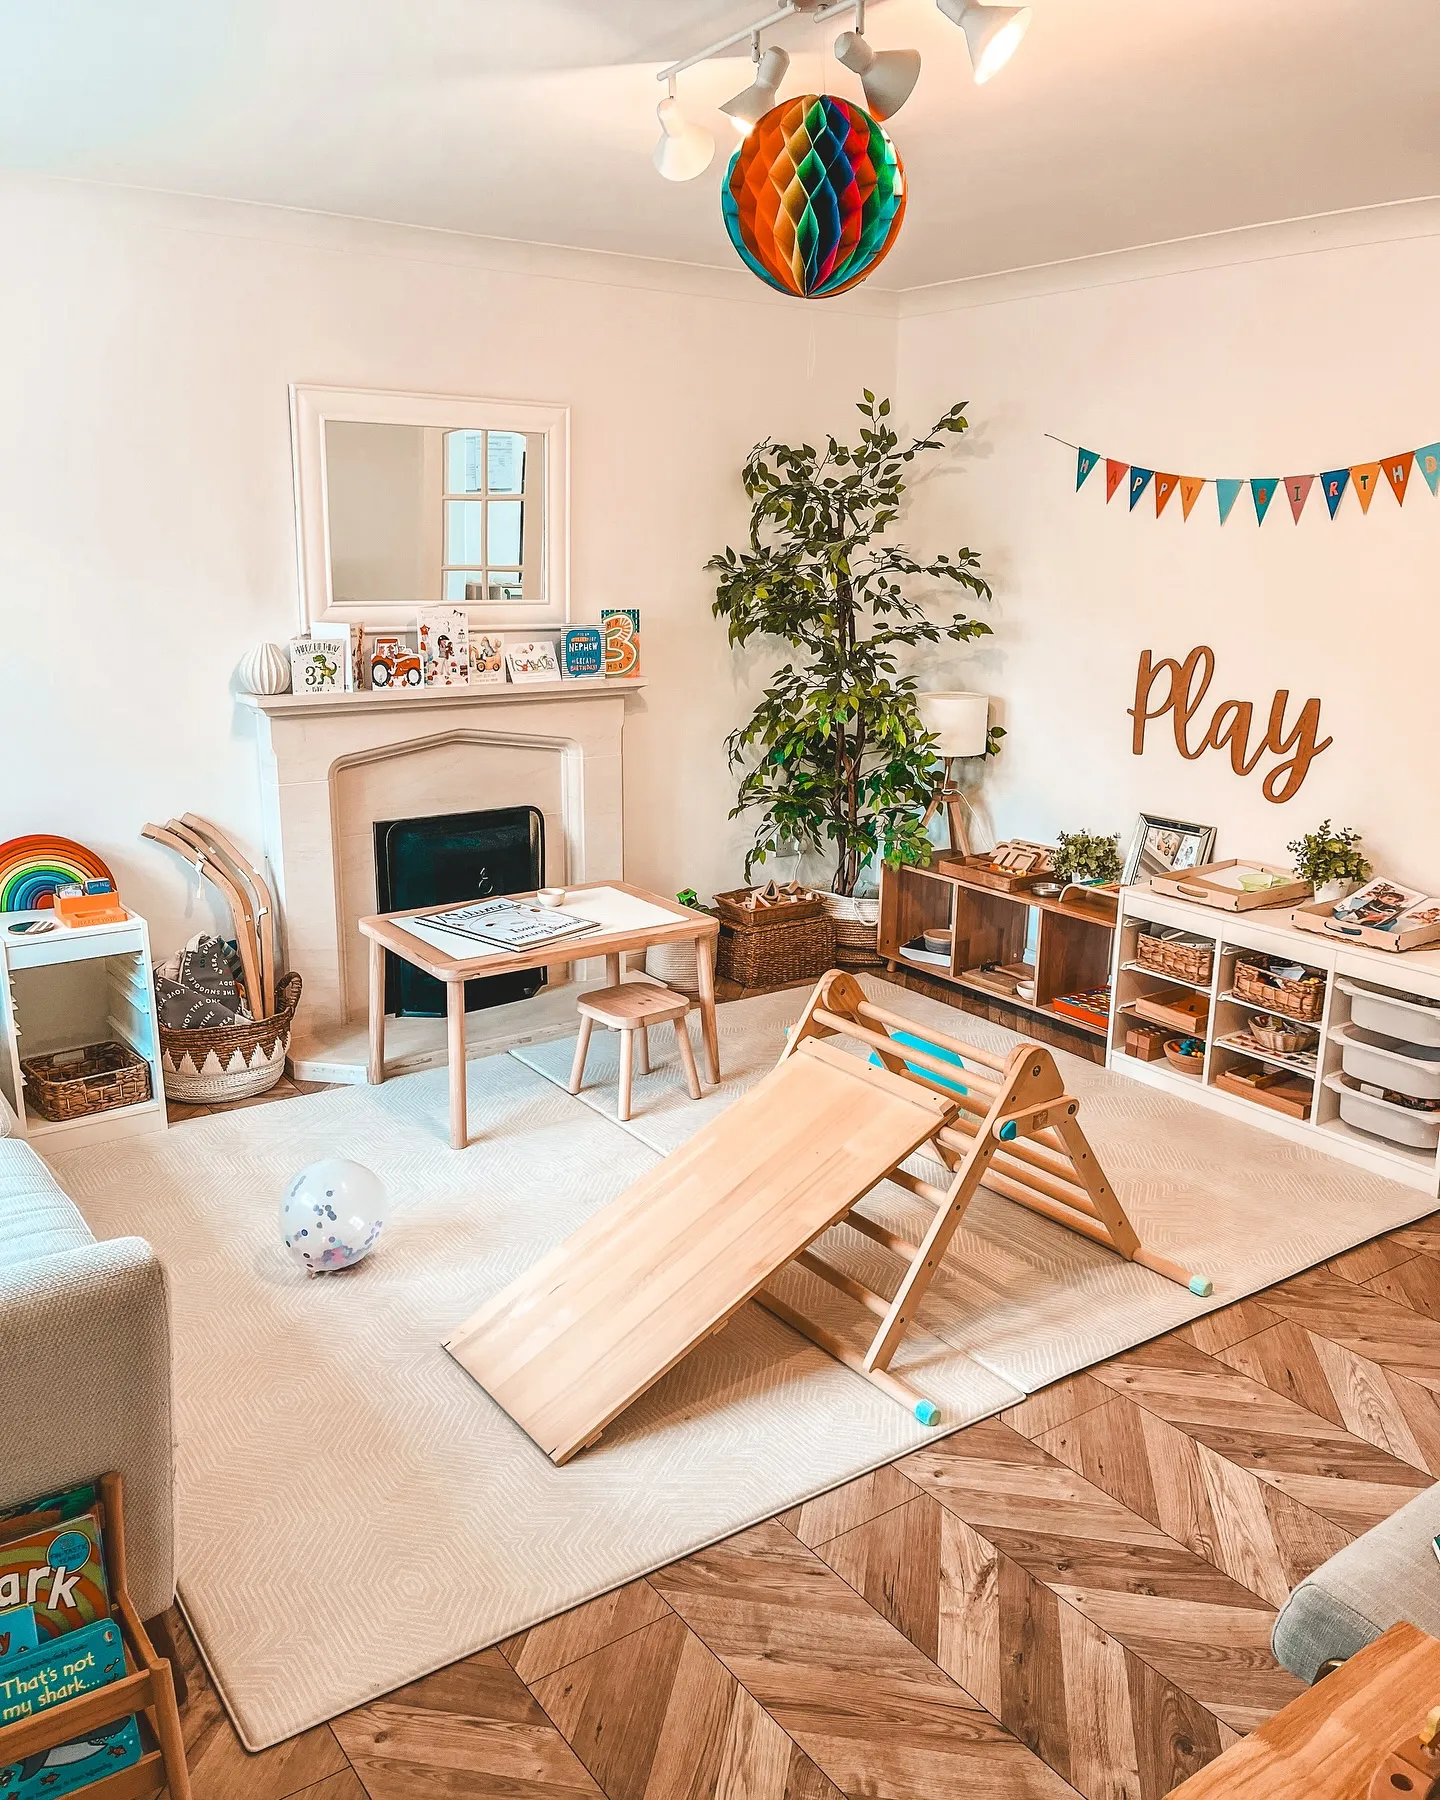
x=1297, y=492
x=1362, y=478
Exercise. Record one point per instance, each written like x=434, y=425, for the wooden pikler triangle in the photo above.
x=581, y=1335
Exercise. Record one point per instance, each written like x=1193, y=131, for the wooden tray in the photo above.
x=1282, y=1093
x=1203, y=885
x=1005, y=980
x=1181, y=1012
x=1320, y=919
x=977, y=869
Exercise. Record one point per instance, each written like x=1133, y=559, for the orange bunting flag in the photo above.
x=1191, y=487
x=1397, y=473
x=1114, y=475
x=1362, y=479
x=1164, y=488
x=1297, y=492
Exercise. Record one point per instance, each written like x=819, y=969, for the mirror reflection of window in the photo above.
x=417, y=514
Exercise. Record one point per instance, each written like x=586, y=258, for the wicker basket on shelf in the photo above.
x=1278, y=1037
x=230, y=1062
x=1298, y=997
x=1181, y=958
x=72, y=1084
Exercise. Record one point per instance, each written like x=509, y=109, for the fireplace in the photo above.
x=456, y=856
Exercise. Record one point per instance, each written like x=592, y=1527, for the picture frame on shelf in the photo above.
x=1165, y=847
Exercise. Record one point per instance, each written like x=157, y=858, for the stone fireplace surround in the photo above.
x=331, y=765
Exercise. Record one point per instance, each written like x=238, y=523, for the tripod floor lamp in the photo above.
x=962, y=724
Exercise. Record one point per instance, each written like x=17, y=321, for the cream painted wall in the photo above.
x=146, y=512
x=1292, y=351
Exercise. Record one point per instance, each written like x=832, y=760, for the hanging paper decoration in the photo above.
x=1364, y=478
x=31, y=868
x=815, y=196
x=1262, y=489
x=1397, y=473
x=1334, y=482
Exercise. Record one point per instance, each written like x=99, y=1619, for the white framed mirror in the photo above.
x=410, y=500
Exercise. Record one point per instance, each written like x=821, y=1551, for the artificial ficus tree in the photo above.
x=835, y=756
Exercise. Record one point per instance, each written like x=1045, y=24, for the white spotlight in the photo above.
x=684, y=150
x=887, y=76
x=993, y=33
x=751, y=105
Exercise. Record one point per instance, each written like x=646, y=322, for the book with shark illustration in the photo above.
x=60, y=1669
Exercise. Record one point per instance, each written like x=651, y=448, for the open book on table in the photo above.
x=503, y=925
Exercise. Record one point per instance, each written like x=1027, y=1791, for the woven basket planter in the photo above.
x=857, y=923
x=232, y=1062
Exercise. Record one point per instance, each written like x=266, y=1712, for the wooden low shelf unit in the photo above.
x=1074, y=944
x=148, y=1690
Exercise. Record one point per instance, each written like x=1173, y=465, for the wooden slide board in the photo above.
x=601, y=1318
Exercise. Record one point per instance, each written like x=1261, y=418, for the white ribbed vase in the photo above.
x=266, y=670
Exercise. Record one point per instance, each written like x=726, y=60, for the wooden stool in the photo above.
x=633, y=1006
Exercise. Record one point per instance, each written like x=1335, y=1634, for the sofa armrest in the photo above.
x=85, y=1350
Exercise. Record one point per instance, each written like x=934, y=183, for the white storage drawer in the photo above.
x=1392, y=1015
x=1412, y=1069
x=1400, y=1124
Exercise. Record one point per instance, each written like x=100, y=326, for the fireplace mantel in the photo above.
x=493, y=694
x=330, y=765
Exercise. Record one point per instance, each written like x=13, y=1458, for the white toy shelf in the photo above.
x=1411, y=976
x=76, y=985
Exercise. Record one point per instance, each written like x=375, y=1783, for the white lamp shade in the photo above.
x=684, y=150
x=960, y=721
x=751, y=104
x=887, y=76
x=991, y=32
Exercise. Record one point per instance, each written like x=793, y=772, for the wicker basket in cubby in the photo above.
x=72, y=1084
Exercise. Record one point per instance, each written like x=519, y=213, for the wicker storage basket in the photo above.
x=733, y=910
x=769, y=952
x=1179, y=957
x=1278, y=1037
x=232, y=1062
x=71, y=1084
x=1298, y=998
x=856, y=927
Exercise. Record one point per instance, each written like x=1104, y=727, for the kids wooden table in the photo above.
x=628, y=918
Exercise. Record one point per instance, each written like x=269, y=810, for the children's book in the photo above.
x=18, y=1633
x=1381, y=905
x=444, y=645
x=59, y=1572
x=50, y=1509
x=502, y=925
x=59, y=1670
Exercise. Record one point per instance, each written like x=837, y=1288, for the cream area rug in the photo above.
x=354, y=1511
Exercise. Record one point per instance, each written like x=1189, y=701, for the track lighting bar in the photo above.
x=794, y=9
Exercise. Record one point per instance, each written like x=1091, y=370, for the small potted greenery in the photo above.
x=1331, y=860
x=1086, y=857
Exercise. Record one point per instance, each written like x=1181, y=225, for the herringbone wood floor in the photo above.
x=1075, y=1597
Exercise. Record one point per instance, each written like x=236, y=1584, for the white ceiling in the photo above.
x=1119, y=122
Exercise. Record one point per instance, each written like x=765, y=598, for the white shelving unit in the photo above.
x=1413, y=975
x=71, y=986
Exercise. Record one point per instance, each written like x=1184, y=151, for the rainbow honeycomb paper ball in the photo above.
x=814, y=197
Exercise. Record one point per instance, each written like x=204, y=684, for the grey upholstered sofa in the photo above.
x=1389, y=1574
x=84, y=1366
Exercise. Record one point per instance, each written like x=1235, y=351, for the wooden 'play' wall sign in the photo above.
x=1231, y=723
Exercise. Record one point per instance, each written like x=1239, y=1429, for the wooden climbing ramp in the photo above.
x=580, y=1336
